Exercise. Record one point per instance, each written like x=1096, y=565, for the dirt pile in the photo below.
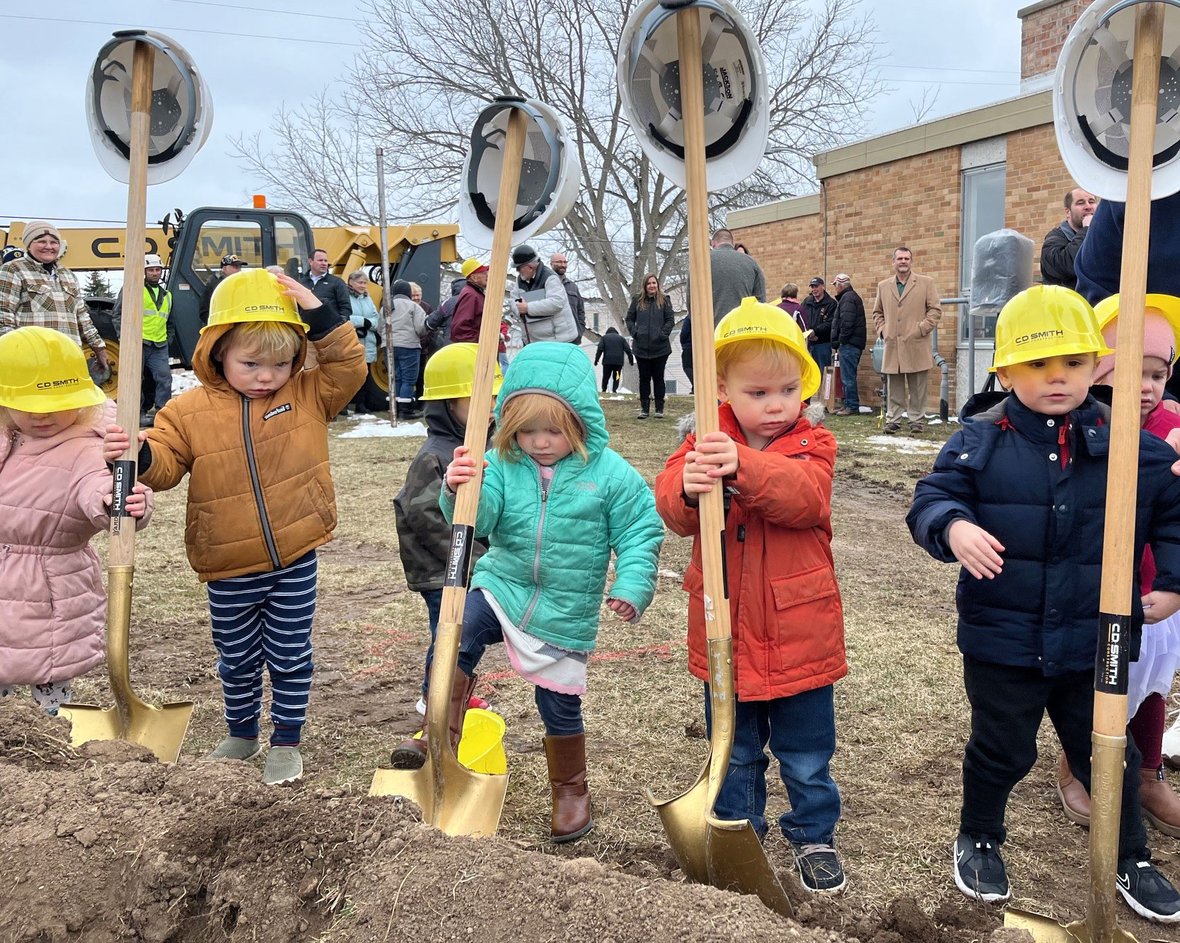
x=106, y=844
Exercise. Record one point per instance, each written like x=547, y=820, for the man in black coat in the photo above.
x=612, y=348
x=559, y=263
x=330, y=289
x=849, y=333
x=1063, y=242
x=819, y=308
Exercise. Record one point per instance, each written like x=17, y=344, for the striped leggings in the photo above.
x=265, y=617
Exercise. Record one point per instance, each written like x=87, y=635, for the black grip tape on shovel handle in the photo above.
x=459, y=558
x=123, y=474
x=1114, y=647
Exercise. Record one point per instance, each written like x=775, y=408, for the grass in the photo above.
x=901, y=714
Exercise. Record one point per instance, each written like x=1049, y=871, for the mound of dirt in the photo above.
x=104, y=843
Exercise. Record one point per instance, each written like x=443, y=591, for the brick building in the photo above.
x=934, y=187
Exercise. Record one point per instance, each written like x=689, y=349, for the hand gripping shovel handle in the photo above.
x=723, y=853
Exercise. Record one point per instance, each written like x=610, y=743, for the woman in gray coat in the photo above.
x=650, y=321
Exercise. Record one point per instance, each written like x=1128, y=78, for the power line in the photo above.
x=183, y=29
x=252, y=9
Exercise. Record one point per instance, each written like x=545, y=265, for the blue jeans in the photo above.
x=822, y=355
x=849, y=362
x=433, y=600
x=405, y=367
x=801, y=731
x=561, y=713
x=155, y=365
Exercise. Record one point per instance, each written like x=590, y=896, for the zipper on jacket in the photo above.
x=267, y=533
x=545, y=486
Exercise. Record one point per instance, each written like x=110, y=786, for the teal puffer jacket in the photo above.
x=547, y=562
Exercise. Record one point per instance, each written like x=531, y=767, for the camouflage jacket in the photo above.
x=423, y=534
x=30, y=294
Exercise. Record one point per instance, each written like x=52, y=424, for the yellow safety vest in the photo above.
x=155, y=319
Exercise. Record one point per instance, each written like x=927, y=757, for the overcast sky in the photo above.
x=256, y=56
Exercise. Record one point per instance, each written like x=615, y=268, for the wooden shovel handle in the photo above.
x=122, y=550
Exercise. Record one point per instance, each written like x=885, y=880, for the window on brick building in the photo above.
x=983, y=212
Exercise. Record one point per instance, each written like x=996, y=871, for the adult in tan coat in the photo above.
x=905, y=312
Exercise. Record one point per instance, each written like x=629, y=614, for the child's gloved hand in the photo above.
x=136, y=501
x=116, y=440
x=624, y=610
x=715, y=457
x=976, y=549
x=1158, y=605
x=462, y=468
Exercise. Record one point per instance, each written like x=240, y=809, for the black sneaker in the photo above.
x=1147, y=891
x=820, y=870
x=979, y=869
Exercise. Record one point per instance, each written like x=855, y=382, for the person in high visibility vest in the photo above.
x=157, y=306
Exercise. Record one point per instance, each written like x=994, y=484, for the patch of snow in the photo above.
x=902, y=443
x=183, y=380
x=370, y=427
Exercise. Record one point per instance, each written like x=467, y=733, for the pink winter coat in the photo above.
x=51, y=596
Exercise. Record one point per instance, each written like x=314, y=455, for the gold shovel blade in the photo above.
x=724, y=854
x=160, y=729
x=1047, y=930
x=456, y=800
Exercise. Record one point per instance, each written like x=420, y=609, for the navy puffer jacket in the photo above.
x=1003, y=471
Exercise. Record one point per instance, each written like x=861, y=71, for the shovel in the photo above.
x=726, y=854
x=452, y=797
x=160, y=729
x=1109, y=736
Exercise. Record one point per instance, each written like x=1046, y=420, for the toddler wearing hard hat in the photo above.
x=423, y=534
x=788, y=621
x=253, y=439
x=55, y=488
x=1018, y=498
x=1150, y=676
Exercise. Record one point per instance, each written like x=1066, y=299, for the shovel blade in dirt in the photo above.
x=713, y=851
x=459, y=802
x=160, y=729
x=1047, y=930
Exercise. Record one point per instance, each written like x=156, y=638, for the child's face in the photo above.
x=254, y=374
x=1151, y=388
x=461, y=410
x=43, y=425
x=543, y=445
x=1053, y=386
x=765, y=398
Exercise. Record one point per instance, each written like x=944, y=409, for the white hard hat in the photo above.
x=152, y=261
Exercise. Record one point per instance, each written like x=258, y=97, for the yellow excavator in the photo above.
x=192, y=246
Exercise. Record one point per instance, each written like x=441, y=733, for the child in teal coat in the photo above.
x=556, y=503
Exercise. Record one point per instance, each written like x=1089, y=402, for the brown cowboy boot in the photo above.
x=566, y=757
x=1161, y=805
x=1074, y=798
x=411, y=753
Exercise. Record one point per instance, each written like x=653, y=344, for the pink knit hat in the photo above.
x=1159, y=340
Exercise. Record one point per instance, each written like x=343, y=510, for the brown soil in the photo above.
x=107, y=844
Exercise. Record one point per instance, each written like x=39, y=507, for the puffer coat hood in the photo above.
x=551, y=544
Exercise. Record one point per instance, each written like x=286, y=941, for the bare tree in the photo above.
x=428, y=69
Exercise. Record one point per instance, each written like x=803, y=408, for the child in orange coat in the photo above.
x=788, y=623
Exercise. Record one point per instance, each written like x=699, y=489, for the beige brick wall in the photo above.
x=1043, y=33
x=915, y=202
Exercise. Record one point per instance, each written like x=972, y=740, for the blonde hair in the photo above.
x=775, y=356
x=536, y=409
x=269, y=338
x=87, y=416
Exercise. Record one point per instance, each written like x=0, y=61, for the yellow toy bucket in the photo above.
x=482, y=747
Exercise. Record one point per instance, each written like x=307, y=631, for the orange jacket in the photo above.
x=787, y=619
x=260, y=491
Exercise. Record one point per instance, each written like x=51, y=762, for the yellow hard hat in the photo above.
x=1046, y=321
x=1168, y=305
x=44, y=372
x=471, y=266
x=251, y=295
x=756, y=320
x=451, y=371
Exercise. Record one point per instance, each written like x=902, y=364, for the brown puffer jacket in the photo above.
x=260, y=490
